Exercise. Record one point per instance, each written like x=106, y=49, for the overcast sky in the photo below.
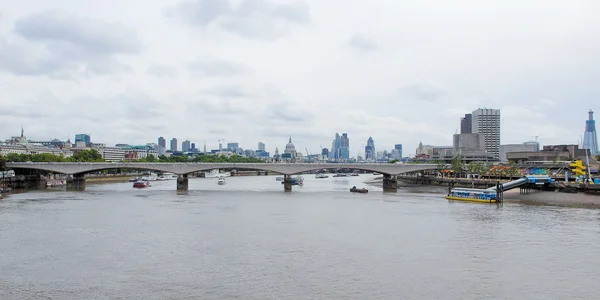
x=261, y=70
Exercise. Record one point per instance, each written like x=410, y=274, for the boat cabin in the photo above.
x=479, y=194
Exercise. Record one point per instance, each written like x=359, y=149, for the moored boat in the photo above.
x=321, y=175
x=357, y=190
x=215, y=173
x=354, y=174
x=472, y=195
x=221, y=181
x=167, y=176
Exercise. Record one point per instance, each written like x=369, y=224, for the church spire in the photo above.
x=290, y=139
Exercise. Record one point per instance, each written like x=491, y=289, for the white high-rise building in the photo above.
x=487, y=122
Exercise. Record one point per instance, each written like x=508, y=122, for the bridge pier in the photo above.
x=182, y=182
x=390, y=183
x=76, y=182
x=287, y=183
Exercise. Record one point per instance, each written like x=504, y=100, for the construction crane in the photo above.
x=307, y=156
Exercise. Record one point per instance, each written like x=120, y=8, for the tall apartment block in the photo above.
x=487, y=122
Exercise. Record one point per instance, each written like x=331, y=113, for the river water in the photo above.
x=250, y=240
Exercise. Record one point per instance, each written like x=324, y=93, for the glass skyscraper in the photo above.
x=590, y=138
x=370, y=149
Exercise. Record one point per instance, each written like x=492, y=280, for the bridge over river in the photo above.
x=78, y=170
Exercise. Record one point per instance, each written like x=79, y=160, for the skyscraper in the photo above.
x=335, y=148
x=84, y=138
x=162, y=142
x=466, y=123
x=344, y=147
x=173, y=144
x=487, y=122
x=590, y=138
x=399, y=148
x=185, y=146
x=261, y=146
x=370, y=150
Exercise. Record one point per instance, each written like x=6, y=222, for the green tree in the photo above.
x=457, y=164
x=3, y=162
x=393, y=161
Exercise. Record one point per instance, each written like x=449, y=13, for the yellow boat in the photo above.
x=472, y=195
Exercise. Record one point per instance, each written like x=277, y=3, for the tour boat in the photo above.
x=141, y=184
x=321, y=175
x=354, y=174
x=167, y=176
x=356, y=190
x=150, y=177
x=472, y=195
x=299, y=180
x=215, y=173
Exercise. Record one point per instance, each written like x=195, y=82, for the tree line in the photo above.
x=93, y=155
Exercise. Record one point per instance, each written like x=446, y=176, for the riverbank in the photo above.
x=115, y=178
x=552, y=198
x=535, y=197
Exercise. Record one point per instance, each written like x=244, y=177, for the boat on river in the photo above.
x=215, y=173
x=357, y=190
x=140, y=184
x=167, y=176
x=221, y=180
x=321, y=175
x=472, y=195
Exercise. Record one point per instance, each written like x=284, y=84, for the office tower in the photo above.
x=325, y=153
x=261, y=146
x=399, y=148
x=466, y=124
x=193, y=147
x=335, y=147
x=173, y=144
x=83, y=138
x=162, y=142
x=370, y=150
x=344, y=147
x=487, y=122
x=185, y=146
x=590, y=138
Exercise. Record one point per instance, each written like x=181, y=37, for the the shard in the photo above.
x=590, y=139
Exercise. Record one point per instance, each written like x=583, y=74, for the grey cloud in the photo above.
x=56, y=44
x=362, y=43
x=228, y=91
x=163, y=71
x=216, y=68
x=259, y=19
x=421, y=92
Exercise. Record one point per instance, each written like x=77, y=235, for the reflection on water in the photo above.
x=250, y=240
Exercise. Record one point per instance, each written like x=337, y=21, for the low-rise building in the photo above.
x=525, y=147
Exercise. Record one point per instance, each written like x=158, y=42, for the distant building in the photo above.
x=550, y=153
x=370, y=150
x=249, y=153
x=162, y=142
x=590, y=138
x=399, y=148
x=84, y=138
x=469, y=141
x=487, y=122
x=466, y=123
x=325, y=153
x=335, y=147
x=173, y=144
x=185, y=146
x=424, y=150
x=290, y=150
x=344, y=147
x=193, y=147
x=261, y=146
x=508, y=148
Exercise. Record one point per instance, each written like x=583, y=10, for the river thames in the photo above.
x=250, y=240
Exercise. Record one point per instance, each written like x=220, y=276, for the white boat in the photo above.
x=221, y=180
x=150, y=177
x=278, y=178
x=321, y=175
x=167, y=176
x=215, y=173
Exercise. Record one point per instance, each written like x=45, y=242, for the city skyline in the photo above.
x=308, y=69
